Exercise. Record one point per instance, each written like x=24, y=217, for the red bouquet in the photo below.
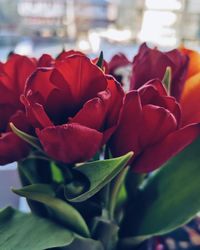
x=87, y=149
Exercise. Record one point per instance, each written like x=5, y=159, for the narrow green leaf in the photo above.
x=100, y=61
x=167, y=78
x=115, y=188
x=99, y=173
x=170, y=197
x=56, y=173
x=62, y=211
x=27, y=231
x=26, y=137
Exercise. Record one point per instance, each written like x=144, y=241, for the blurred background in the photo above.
x=34, y=27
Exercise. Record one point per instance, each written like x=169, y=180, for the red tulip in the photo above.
x=151, y=126
x=151, y=63
x=120, y=67
x=13, y=75
x=74, y=107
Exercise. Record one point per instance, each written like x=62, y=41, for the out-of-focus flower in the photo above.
x=194, y=61
x=120, y=67
x=74, y=107
x=151, y=126
x=190, y=98
x=13, y=75
x=152, y=63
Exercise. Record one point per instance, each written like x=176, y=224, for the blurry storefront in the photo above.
x=63, y=18
x=45, y=18
x=87, y=23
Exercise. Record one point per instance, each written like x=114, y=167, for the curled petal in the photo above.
x=39, y=82
x=92, y=114
x=156, y=155
x=36, y=114
x=150, y=87
x=70, y=143
x=156, y=124
x=154, y=92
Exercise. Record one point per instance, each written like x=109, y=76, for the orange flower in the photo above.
x=194, y=64
x=190, y=98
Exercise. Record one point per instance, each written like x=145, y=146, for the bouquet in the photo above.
x=101, y=167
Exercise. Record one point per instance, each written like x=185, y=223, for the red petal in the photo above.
x=36, y=114
x=117, y=61
x=156, y=155
x=148, y=64
x=156, y=124
x=5, y=112
x=18, y=69
x=20, y=121
x=40, y=115
x=155, y=84
x=79, y=77
x=65, y=54
x=12, y=148
x=151, y=63
x=70, y=143
x=154, y=92
x=45, y=61
x=115, y=101
x=126, y=137
x=92, y=114
x=39, y=82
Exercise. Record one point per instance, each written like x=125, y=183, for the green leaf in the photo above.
x=56, y=173
x=99, y=173
x=62, y=211
x=100, y=61
x=33, y=171
x=170, y=197
x=167, y=78
x=115, y=189
x=27, y=231
x=33, y=141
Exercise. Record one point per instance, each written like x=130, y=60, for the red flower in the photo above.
x=13, y=75
x=151, y=63
x=119, y=67
x=151, y=126
x=74, y=107
x=118, y=60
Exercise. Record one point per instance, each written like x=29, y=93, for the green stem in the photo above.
x=66, y=171
x=105, y=192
